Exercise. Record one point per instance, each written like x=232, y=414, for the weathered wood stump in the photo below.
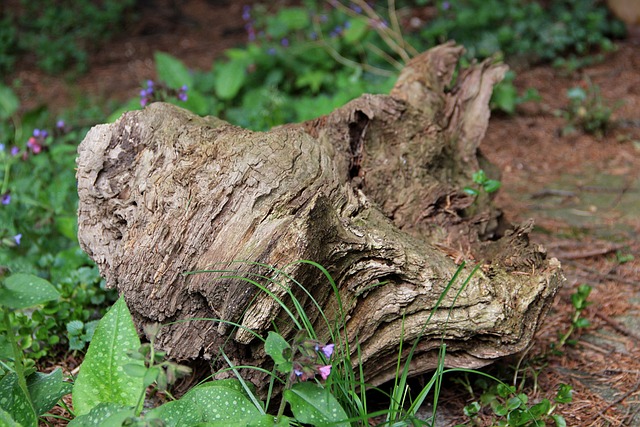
x=373, y=192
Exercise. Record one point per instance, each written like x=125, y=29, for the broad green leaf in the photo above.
x=295, y=18
x=220, y=402
x=356, y=31
x=312, y=404
x=75, y=327
x=275, y=346
x=67, y=226
x=491, y=185
x=519, y=417
x=22, y=290
x=6, y=420
x=312, y=79
x=540, y=409
x=172, y=71
x=14, y=401
x=6, y=349
x=559, y=420
x=197, y=103
x=104, y=415
x=102, y=378
x=9, y=102
x=230, y=78
x=504, y=97
x=135, y=370
x=47, y=389
x=261, y=421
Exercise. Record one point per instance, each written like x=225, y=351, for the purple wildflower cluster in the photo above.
x=160, y=92
x=36, y=144
x=37, y=141
x=311, y=361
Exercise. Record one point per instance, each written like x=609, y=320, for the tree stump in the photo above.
x=372, y=191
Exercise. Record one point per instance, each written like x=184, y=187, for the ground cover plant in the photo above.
x=286, y=73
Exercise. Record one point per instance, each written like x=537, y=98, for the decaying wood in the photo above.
x=373, y=192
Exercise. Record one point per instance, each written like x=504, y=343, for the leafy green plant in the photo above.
x=511, y=408
x=579, y=300
x=38, y=226
x=586, y=110
x=529, y=31
x=25, y=394
x=505, y=96
x=483, y=184
x=117, y=370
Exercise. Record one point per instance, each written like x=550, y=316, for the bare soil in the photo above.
x=582, y=191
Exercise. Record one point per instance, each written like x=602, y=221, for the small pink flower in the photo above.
x=324, y=371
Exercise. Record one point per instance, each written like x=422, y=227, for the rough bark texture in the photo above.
x=373, y=192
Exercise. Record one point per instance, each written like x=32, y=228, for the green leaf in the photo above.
x=471, y=191
x=9, y=102
x=479, y=177
x=504, y=97
x=505, y=390
x=172, y=71
x=312, y=404
x=222, y=403
x=230, y=78
x=565, y=394
x=26, y=290
x=75, y=327
x=295, y=18
x=47, y=389
x=581, y=322
x=519, y=417
x=67, y=226
x=540, y=409
x=104, y=415
x=135, y=370
x=559, y=420
x=6, y=349
x=15, y=402
x=275, y=346
x=358, y=29
x=102, y=377
x=472, y=409
x=6, y=420
x=491, y=185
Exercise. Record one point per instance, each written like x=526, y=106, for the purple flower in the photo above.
x=15, y=150
x=1, y=147
x=324, y=371
x=297, y=372
x=17, y=238
x=327, y=350
x=36, y=132
x=357, y=9
x=271, y=51
x=6, y=199
x=284, y=42
x=446, y=5
x=60, y=124
x=246, y=12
